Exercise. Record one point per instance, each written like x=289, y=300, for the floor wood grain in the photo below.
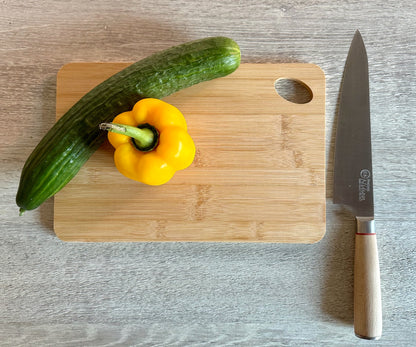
x=185, y=294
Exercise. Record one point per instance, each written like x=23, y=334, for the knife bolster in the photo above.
x=365, y=226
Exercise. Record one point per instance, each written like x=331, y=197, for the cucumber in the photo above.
x=76, y=135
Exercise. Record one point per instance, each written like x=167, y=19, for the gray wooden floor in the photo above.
x=199, y=294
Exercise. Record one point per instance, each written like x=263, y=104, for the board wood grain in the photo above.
x=258, y=175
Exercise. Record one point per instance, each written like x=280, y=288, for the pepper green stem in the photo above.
x=144, y=137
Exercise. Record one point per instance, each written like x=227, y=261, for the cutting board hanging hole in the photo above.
x=293, y=90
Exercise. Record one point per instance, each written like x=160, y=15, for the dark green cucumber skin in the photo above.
x=76, y=135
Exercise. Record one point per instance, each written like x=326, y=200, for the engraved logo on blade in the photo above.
x=363, y=184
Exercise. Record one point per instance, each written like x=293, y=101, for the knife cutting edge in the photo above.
x=353, y=187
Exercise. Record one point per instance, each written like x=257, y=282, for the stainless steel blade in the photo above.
x=353, y=177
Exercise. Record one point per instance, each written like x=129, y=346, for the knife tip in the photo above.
x=358, y=40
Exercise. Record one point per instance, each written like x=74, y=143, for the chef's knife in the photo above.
x=353, y=187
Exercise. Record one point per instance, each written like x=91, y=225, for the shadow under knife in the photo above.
x=337, y=294
x=338, y=287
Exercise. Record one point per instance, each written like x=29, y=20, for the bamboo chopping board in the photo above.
x=258, y=174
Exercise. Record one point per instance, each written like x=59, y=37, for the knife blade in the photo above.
x=353, y=187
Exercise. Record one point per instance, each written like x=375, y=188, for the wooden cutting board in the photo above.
x=258, y=174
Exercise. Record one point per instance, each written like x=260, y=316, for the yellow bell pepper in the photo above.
x=151, y=142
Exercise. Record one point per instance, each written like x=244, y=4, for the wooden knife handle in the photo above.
x=367, y=292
